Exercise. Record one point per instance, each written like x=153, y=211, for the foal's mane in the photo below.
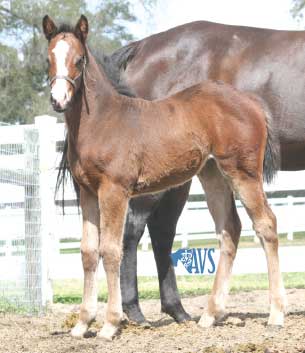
x=112, y=70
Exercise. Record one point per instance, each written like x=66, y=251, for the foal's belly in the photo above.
x=178, y=171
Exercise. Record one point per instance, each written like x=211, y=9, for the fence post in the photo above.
x=46, y=126
x=32, y=240
x=290, y=219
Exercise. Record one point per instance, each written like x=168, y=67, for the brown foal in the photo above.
x=121, y=147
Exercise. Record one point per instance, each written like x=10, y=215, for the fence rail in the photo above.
x=195, y=223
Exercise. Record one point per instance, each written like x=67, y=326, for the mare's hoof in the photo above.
x=79, y=330
x=145, y=324
x=108, y=332
x=180, y=318
x=134, y=314
x=177, y=313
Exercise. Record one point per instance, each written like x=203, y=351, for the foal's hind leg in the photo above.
x=90, y=259
x=113, y=205
x=250, y=191
x=162, y=228
x=221, y=205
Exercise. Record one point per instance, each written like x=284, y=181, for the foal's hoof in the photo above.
x=79, y=330
x=206, y=320
x=276, y=319
x=108, y=332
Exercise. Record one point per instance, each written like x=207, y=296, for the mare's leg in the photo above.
x=139, y=210
x=113, y=203
x=162, y=228
x=221, y=205
x=251, y=193
x=90, y=259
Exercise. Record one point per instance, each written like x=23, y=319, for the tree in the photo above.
x=298, y=9
x=23, y=78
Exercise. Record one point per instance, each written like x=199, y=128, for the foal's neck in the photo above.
x=97, y=82
x=95, y=94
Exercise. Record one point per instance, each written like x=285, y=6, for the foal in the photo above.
x=119, y=148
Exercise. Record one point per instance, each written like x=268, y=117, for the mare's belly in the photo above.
x=293, y=156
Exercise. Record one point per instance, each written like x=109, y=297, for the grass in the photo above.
x=70, y=291
x=17, y=306
x=245, y=242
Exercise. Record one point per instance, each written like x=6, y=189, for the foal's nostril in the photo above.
x=53, y=101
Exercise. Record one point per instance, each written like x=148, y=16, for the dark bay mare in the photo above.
x=121, y=147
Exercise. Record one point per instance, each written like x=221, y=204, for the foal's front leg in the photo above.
x=90, y=259
x=113, y=203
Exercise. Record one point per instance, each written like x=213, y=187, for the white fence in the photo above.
x=32, y=226
x=27, y=156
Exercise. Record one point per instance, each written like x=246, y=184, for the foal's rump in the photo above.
x=210, y=119
x=235, y=124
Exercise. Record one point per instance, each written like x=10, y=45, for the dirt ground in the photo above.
x=243, y=330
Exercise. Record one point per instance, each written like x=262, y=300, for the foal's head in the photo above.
x=67, y=59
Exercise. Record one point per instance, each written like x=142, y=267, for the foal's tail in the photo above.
x=272, y=159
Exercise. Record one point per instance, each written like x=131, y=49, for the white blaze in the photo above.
x=60, y=87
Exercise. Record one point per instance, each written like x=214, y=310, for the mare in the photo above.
x=121, y=147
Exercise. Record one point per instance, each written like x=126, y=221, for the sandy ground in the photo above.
x=243, y=330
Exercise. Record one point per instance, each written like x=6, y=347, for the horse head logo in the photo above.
x=185, y=256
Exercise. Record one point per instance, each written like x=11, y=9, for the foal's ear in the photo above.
x=82, y=28
x=49, y=27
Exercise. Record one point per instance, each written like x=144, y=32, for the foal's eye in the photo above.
x=80, y=62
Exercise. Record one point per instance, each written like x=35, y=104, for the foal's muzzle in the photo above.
x=57, y=106
x=61, y=92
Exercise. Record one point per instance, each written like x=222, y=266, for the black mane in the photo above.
x=113, y=72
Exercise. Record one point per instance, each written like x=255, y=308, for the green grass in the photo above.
x=245, y=242
x=17, y=306
x=70, y=291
